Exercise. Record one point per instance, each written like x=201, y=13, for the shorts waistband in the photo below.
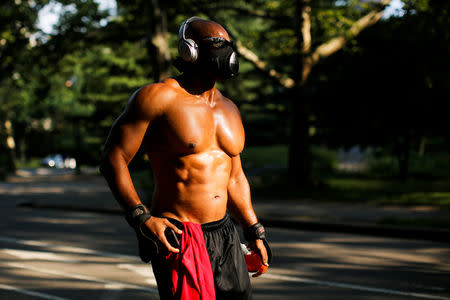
x=214, y=225
x=210, y=226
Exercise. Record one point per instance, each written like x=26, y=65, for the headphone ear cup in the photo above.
x=233, y=63
x=188, y=50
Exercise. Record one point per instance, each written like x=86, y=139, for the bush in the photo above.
x=429, y=166
x=433, y=165
x=263, y=156
x=325, y=161
x=383, y=166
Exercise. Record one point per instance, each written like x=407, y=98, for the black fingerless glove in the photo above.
x=137, y=215
x=255, y=232
x=147, y=241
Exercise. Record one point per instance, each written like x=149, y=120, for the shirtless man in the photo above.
x=193, y=136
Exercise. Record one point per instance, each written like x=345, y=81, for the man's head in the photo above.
x=207, y=44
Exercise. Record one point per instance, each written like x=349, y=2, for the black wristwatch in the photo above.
x=254, y=232
x=138, y=215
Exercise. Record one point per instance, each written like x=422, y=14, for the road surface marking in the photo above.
x=63, y=248
x=288, y=278
x=352, y=286
x=108, y=283
x=40, y=255
x=30, y=293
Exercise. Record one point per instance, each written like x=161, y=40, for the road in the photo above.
x=55, y=254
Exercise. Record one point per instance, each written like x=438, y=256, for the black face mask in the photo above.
x=219, y=55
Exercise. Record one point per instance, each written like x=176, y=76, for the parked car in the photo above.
x=59, y=161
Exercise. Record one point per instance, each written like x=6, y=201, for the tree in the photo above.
x=393, y=97
x=29, y=58
x=17, y=24
x=148, y=21
x=351, y=18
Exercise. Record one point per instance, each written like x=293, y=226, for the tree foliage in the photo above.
x=356, y=86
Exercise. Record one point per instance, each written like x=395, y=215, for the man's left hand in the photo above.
x=258, y=247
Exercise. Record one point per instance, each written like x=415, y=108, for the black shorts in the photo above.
x=231, y=279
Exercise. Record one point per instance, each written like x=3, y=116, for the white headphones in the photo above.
x=187, y=48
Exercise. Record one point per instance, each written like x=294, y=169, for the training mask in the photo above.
x=219, y=55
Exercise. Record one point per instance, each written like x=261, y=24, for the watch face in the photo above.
x=137, y=212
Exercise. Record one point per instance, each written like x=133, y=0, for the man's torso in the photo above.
x=190, y=148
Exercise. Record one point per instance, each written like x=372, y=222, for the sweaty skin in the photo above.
x=193, y=136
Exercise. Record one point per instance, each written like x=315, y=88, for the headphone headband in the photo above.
x=182, y=31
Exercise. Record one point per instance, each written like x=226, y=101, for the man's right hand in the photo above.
x=158, y=226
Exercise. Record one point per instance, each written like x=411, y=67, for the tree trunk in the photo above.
x=78, y=144
x=158, y=47
x=21, y=148
x=299, y=164
x=10, y=146
x=423, y=142
x=20, y=131
x=403, y=156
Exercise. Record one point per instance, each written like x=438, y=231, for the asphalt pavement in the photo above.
x=63, y=237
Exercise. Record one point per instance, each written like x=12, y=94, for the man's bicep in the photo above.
x=125, y=137
x=129, y=129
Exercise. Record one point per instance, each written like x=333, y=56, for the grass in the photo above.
x=30, y=163
x=359, y=189
x=392, y=192
x=370, y=187
x=258, y=156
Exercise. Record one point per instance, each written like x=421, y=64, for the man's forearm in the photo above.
x=115, y=170
x=239, y=202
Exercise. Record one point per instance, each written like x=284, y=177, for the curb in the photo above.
x=416, y=233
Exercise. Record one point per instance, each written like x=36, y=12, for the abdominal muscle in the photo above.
x=191, y=187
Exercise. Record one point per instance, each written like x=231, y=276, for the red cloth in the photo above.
x=191, y=271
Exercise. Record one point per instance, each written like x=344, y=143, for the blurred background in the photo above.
x=347, y=142
x=341, y=100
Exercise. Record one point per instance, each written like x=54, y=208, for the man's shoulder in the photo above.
x=160, y=91
x=152, y=100
x=155, y=95
x=228, y=104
